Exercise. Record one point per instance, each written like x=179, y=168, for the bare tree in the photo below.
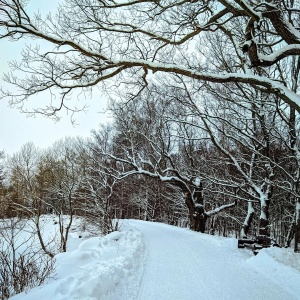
x=98, y=185
x=2, y=156
x=126, y=45
x=27, y=198
x=91, y=41
x=45, y=183
x=67, y=174
x=23, y=265
x=150, y=143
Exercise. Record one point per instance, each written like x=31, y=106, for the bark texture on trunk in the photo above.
x=290, y=235
x=199, y=219
x=264, y=219
x=297, y=228
x=248, y=220
x=197, y=216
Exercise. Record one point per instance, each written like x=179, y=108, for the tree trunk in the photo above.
x=248, y=220
x=290, y=235
x=264, y=218
x=198, y=219
x=197, y=216
x=297, y=228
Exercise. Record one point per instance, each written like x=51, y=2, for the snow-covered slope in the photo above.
x=152, y=261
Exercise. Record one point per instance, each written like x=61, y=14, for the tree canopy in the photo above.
x=92, y=41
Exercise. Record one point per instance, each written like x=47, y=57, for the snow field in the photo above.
x=105, y=268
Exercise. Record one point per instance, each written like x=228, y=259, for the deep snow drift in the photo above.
x=152, y=261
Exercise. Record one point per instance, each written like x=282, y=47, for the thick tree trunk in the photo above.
x=197, y=216
x=198, y=219
x=264, y=218
x=248, y=220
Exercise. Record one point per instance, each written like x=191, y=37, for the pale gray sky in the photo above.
x=16, y=128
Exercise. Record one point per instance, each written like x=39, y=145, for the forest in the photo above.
x=219, y=167
x=204, y=99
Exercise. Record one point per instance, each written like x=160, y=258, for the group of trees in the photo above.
x=205, y=101
x=74, y=177
x=222, y=166
x=208, y=123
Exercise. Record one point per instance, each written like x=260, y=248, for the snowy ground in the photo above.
x=182, y=264
x=107, y=267
x=152, y=261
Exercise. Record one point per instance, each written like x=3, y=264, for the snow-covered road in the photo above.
x=154, y=261
x=181, y=264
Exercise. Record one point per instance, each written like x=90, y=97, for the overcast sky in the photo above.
x=16, y=128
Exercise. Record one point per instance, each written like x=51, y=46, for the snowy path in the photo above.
x=183, y=265
x=154, y=261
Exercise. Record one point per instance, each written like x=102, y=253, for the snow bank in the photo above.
x=281, y=266
x=103, y=268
